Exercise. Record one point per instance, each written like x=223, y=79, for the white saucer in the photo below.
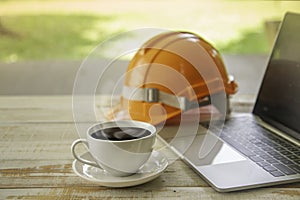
x=156, y=164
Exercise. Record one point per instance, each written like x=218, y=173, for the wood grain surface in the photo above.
x=35, y=160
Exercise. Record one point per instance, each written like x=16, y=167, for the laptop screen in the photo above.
x=278, y=101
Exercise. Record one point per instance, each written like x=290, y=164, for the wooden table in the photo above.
x=36, y=133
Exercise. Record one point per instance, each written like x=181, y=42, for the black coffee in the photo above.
x=120, y=133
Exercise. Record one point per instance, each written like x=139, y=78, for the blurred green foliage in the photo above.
x=70, y=29
x=51, y=37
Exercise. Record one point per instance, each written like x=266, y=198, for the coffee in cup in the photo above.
x=121, y=133
x=118, y=147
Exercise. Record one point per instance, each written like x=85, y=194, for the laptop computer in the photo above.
x=261, y=148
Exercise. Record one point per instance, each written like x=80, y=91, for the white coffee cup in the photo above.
x=118, y=157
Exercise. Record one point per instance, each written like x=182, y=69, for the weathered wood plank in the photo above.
x=155, y=192
x=36, y=152
x=242, y=103
x=45, y=108
x=59, y=108
x=44, y=174
x=35, y=108
x=29, y=141
x=36, y=141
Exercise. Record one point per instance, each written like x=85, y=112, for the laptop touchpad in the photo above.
x=210, y=150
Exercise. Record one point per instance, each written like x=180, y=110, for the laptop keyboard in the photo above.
x=274, y=154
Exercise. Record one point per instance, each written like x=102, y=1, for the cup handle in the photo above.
x=88, y=162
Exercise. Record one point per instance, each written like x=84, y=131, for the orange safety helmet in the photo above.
x=172, y=73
